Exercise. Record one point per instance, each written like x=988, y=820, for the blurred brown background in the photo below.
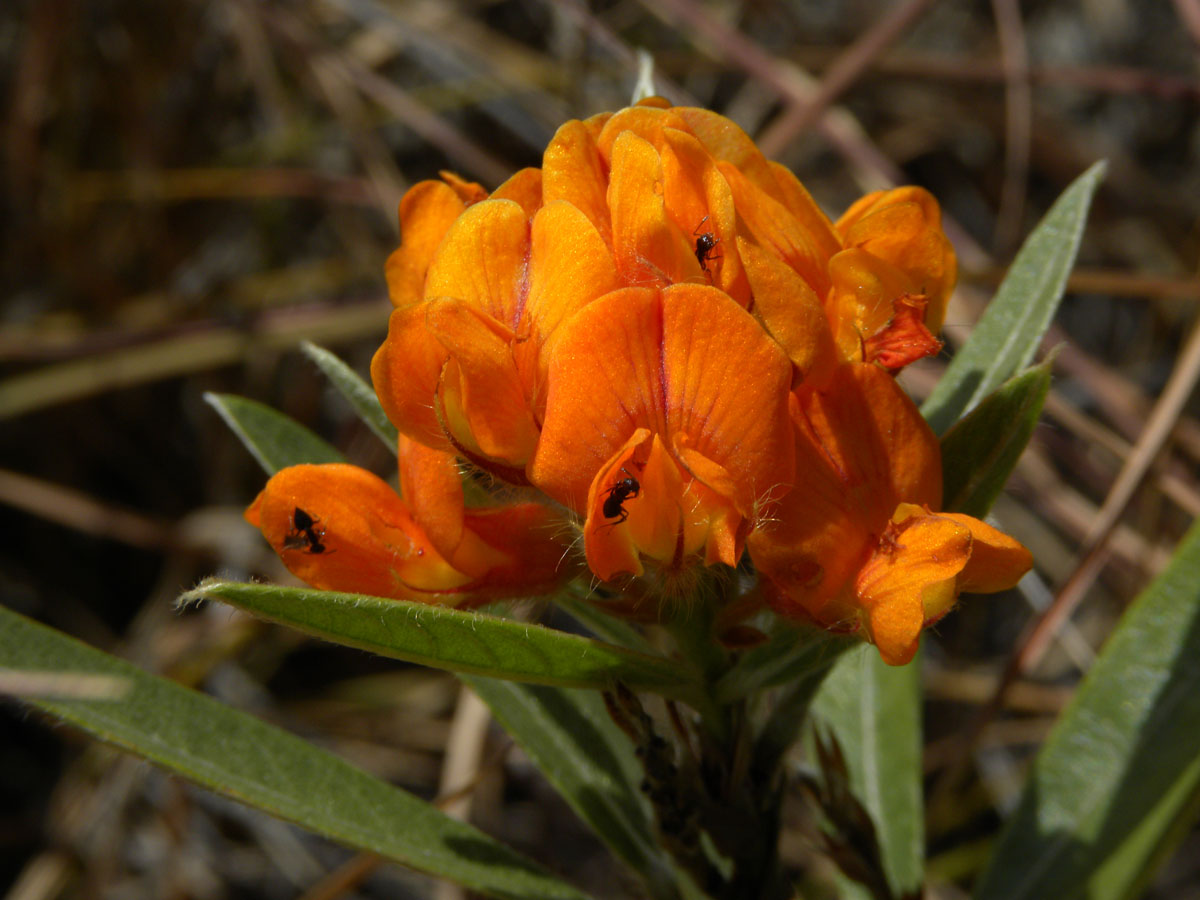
x=190, y=189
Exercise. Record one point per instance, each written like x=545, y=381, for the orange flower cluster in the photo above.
x=661, y=332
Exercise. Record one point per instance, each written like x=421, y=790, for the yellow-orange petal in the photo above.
x=862, y=299
x=655, y=101
x=647, y=246
x=774, y=228
x=524, y=188
x=997, y=562
x=480, y=393
x=431, y=485
x=875, y=436
x=361, y=537
x=726, y=389
x=657, y=523
x=709, y=507
x=725, y=140
x=483, y=258
x=571, y=267
x=574, y=171
x=699, y=202
x=612, y=498
x=799, y=203
x=426, y=212
x=684, y=361
x=535, y=544
x=469, y=191
x=910, y=580
x=406, y=370
x=818, y=538
x=645, y=121
x=605, y=363
x=903, y=227
x=790, y=311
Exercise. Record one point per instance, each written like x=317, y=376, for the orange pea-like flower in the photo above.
x=339, y=527
x=857, y=544
x=683, y=195
x=623, y=327
x=666, y=427
x=464, y=368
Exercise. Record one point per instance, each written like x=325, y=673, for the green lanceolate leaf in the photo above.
x=784, y=724
x=571, y=738
x=874, y=711
x=271, y=437
x=1117, y=784
x=258, y=764
x=1007, y=336
x=360, y=394
x=980, y=452
x=453, y=639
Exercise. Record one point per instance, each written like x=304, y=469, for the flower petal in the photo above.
x=426, y=212
x=369, y=543
x=862, y=299
x=791, y=312
x=431, y=485
x=533, y=540
x=605, y=372
x=608, y=541
x=469, y=191
x=819, y=538
x=573, y=170
x=910, y=581
x=799, y=203
x=406, y=371
x=998, y=561
x=481, y=394
x=645, y=121
x=905, y=339
x=709, y=508
x=699, y=201
x=649, y=249
x=726, y=141
x=774, y=228
x=524, y=188
x=686, y=361
x=904, y=228
x=726, y=389
x=572, y=266
x=482, y=260
x=875, y=437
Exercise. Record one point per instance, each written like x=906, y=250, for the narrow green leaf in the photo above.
x=980, y=452
x=875, y=711
x=271, y=437
x=447, y=638
x=360, y=394
x=1008, y=335
x=785, y=722
x=794, y=652
x=571, y=738
x=1117, y=784
x=258, y=764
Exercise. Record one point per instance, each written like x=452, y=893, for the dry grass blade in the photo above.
x=1018, y=117
x=1158, y=429
x=850, y=64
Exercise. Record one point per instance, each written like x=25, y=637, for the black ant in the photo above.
x=706, y=243
x=304, y=534
x=614, y=503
